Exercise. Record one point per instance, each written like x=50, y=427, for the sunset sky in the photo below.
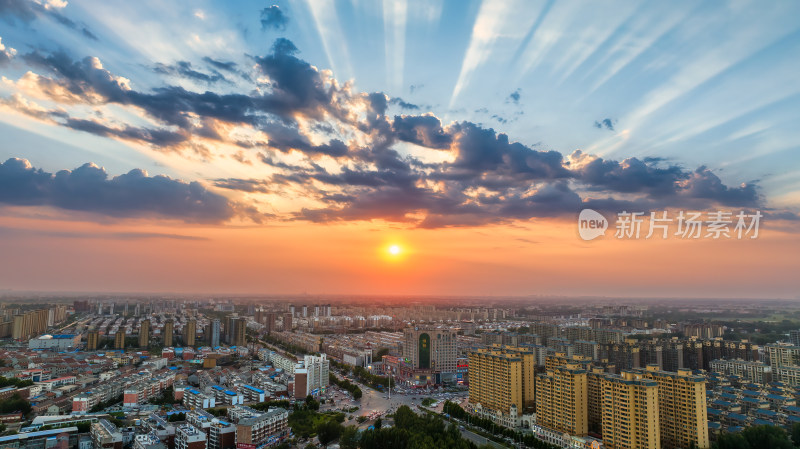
x=398, y=147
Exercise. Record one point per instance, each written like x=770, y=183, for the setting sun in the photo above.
x=395, y=250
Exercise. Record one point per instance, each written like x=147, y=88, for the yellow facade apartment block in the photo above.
x=495, y=380
x=630, y=412
x=562, y=399
x=683, y=421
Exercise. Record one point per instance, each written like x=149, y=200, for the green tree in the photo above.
x=796, y=434
x=378, y=423
x=328, y=431
x=349, y=438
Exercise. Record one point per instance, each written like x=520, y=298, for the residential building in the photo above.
x=502, y=383
x=168, y=331
x=144, y=333
x=758, y=372
x=682, y=407
x=630, y=418
x=106, y=435
x=562, y=399
x=188, y=436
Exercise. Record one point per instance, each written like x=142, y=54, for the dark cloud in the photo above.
x=482, y=150
x=606, y=123
x=244, y=185
x=704, y=184
x=26, y=11
x=629, y=176
x=488, y=179
x=14, y=232
x=156, y=137
x=184, y=69
x=273, y=18
x=134, y=194
x=514, y=97
x=425, y=130
x=404, y=105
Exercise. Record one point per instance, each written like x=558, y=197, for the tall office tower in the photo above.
x=126, y=310
x=239, y=332
x=305, y=310
x=562, y=399
x=189, y=332
x=291, y=309
x=168, y=328
x=630, y=412
x=137, y=310
x=681, y=407
x=92, y=340
x=316, y=310
x=327, y=310
x=501, y=383
x=430, y=348
x=144, y=334
x=213, y=334
x=119, y=339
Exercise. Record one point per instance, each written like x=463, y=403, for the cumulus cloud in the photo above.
x=90, y=189
x=6, y=53
x=345, y=147
x=273, y=18
x=514, y=97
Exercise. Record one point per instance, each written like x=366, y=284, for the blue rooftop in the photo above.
x=778, y=397
x=251, y=388
x=737, y=416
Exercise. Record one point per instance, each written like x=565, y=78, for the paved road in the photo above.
x=480, y=440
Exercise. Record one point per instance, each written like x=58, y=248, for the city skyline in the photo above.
x=404, y=148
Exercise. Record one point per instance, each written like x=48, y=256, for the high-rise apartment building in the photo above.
x=239, y=332
x=119, y=339
x=502, y=383
x=189, y=333
x=562, y=399
x=794, y=338
x=782, y=354
x=683, y=420
x=29, y=324
x=168, y=331
x=213, y=332
x=144, y=333
x=630, y=418
x=92, y=340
